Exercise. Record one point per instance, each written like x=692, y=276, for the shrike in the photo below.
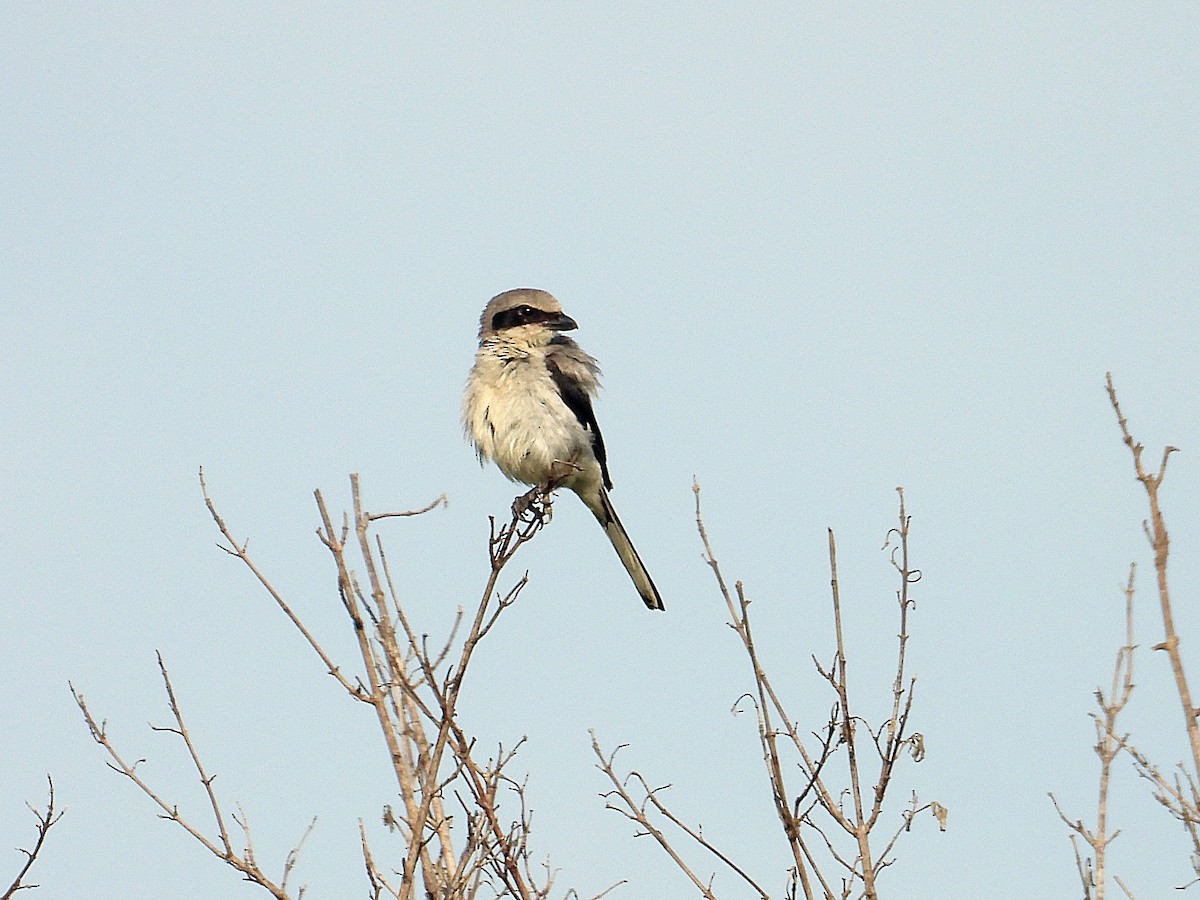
x=528, y=408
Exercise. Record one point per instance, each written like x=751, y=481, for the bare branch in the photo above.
x=221, y=848
x=441, y=500
x=233, y=548
x=413, y=691
x=853, y=812
x=182, y=731
x=634, y=811
x=654, y=800
x=45, y=821
x=1109, y=744
x=1160, y=541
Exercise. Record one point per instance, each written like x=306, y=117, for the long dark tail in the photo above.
x=607, y=517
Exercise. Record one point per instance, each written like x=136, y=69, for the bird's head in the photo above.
x=528, y=314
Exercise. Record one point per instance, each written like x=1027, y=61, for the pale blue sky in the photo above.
x=821, y=251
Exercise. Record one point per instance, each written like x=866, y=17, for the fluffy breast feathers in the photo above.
x=528, y=408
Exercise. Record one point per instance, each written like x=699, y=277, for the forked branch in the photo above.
x=413, y=690
x=830, y=828
x=220, y=846
x=1160, y=541
x=45, y=821
x=1092, y=867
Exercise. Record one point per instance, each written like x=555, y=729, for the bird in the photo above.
x=527, y=407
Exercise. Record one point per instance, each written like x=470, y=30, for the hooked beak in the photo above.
x=561, y=322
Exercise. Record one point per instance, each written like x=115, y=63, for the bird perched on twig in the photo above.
x=528, y=408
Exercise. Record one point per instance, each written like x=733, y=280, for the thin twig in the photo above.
x=695, y=835
x=632, y=810
x=45, y=821
x=414, y=692
x=441, y=500
x=1160, y=541
x=240, y=550
x=182, y=731
x=244, y=863
x=739, y=621
x=854, y=809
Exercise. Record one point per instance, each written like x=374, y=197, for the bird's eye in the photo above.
x=517, y=316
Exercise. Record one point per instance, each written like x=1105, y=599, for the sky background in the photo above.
x=820, y=250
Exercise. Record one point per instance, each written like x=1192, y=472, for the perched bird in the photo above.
x=528, y=408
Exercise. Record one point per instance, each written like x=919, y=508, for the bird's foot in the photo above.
x=536, y=504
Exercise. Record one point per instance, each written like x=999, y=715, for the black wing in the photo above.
x=580, y=403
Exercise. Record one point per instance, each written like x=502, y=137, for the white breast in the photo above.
x=513, y=413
